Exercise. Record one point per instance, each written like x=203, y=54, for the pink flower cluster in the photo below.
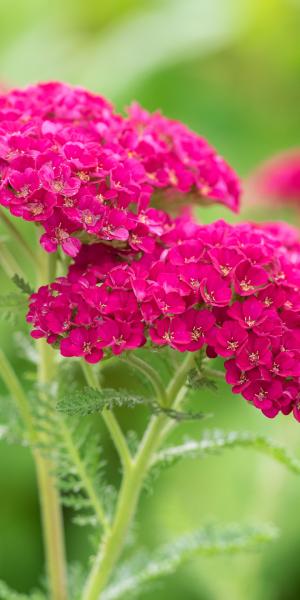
x=278, y=179
x=233, y=290
x=71, y=164
x=104, y=187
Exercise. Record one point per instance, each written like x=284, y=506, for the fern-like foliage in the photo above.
x=178, y=415
x=23, y=285
x=88, y=401
x=74, y=450
x=136, y=575
x=217, y=441
x=6, y=593
x=11, y=427
x=11, y=306
x=197, y=381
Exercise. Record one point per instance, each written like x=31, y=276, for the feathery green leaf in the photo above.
x=178, y=415
x=6, y=593
x=209, y=541
x=23, y=285
x=90, y=401
x=75, y=452
x=11, y=306
x=12, y=428
x=216, y=441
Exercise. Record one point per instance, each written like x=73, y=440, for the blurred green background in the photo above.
x=230, y=70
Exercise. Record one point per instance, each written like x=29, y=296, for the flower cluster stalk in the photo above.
x=51, y=510
x=113, y=542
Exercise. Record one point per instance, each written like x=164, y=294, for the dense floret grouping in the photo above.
x=114, y=192
x=234, y=289
x=71, y=164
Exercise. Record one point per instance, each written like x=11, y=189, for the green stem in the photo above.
x=17, y=236
x=14, y=387
x=48, y=493
x=51, y=515
x=52, y=529
x=131, y=488
x=213, y=373
x=151, y=375
x=9, y=263
x=110, y=420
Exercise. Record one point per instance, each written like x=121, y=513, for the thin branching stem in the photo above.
x=18, y=395
x=52, y=519
x=17, y=236
x=130, y=491
x=110, y=420
x=208, y=372
x=151, y=374
x=9, y=264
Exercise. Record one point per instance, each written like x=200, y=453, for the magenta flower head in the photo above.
x=230, y=290
x=277, y=181
x=75, y=167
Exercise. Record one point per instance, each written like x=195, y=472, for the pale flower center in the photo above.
x=119, y=341
x=58, y=186
x=249, y=322
x=261, y=395
x=36, y=209
x=196, y=334
x=225, y=269
x=254, y=357
x=23, y=192
x=87, y=347
x=232, y=345
x=168, y=336
x=246, y=285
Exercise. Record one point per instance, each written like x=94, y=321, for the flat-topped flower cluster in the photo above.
x=73, y=165
x=110, y=190
x=234, y=289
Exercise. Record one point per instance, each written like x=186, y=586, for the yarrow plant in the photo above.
x=125, y=272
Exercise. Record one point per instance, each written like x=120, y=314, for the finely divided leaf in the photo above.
x=216, y=441
x=74, y=450
x=90, y=401
x=197, y=380
x=11, y=305
x=23, y=285
x=208, y=541
x=178, y=415
x=6, y=593
x=11, y=426
x=12, y=301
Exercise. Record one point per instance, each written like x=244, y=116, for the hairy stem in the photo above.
x=9, y=263
x=110, y=421
x=49, y=500
x=52, y=530
x=48, y=493
x=18, y=395
x=131, y=488
x=151, y=375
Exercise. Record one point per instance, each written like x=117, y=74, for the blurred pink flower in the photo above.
x=277, y=181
